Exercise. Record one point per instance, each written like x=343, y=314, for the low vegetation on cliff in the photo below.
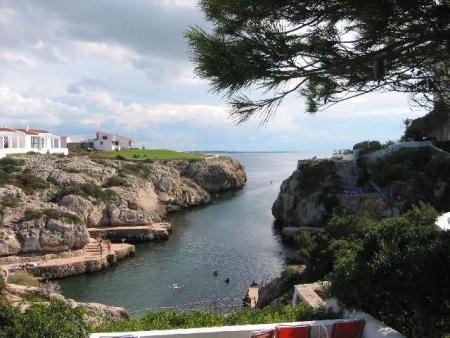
x=151, y=154
x=164, y=320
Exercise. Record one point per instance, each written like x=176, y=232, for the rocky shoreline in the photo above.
x=53, y=207
x=78, y=193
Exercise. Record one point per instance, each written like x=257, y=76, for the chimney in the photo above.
x=26, y=128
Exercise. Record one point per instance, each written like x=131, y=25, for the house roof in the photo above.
x=116, y=135
x=32, y=131
x=7, y=129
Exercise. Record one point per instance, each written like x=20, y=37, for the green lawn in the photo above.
x=152, y=154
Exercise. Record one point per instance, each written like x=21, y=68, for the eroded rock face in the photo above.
x=9, y=245
x=50, y=235
x=138, y=197
x=90, y=213
x=308, y=196
x=215, y=175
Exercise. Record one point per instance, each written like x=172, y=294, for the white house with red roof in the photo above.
x=24, y=140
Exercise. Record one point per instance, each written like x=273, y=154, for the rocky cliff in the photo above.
x=313, y=193
x=47, y=201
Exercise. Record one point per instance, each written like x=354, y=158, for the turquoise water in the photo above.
x=234, y=235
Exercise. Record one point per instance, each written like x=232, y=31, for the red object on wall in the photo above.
x=350, y=329
x=293, y=331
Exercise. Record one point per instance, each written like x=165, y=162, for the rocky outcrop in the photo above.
x=104, y=192
x=308, y=196
x=313, y=194
x=95, y=312
x=50, y=235
x=216, y=174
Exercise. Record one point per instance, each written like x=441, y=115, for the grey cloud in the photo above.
x=148, y=27
x=86, y=83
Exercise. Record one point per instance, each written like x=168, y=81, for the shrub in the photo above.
x=116, y=181
x=85, y=190
x=9, y=202
x=366, y=146
x=2, y=281
x=164, y=320
x=29, y=182
x=121, y=158
x=55, y=214
x=399, y=273
x=136, y=169
x=9, y=161
x=53, y=320
x=23, y=278
x=318, y=251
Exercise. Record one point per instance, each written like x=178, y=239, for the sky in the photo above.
x=75, y=67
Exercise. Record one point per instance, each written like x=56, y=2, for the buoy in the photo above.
x=227, y=281
x=215, y=273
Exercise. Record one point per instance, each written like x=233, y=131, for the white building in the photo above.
x=21, y=141
x=110, y=142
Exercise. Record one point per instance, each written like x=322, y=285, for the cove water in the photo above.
x=234, y=235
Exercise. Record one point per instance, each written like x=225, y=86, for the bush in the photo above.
x=85, y=190
x=400, y=165
x=399, y=274
x=318, y=251
x=164, y=320
x=29, y=182
x=116, y=181
x=23, y=278
x=55, y=320
x=55, y=214
x=136, y=169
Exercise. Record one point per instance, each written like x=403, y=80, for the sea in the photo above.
x=234, y=236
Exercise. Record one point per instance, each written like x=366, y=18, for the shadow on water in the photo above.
x=233, y=235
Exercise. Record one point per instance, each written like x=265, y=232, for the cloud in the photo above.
x=14, y=106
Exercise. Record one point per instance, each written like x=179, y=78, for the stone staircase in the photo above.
x=91, y=249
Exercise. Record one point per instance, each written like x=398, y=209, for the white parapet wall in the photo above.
x=319, y=329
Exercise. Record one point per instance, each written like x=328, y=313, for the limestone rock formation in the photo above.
x=103, y=192
x=50, y=235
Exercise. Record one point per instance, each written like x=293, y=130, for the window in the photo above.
x=116, y=143
x=5, y=142
x=55, y=143
x=101, y=142
x=14, y=142
x=105, y=137
x=35, y=142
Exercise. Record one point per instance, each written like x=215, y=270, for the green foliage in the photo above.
x=53, y=320
x=29, y=182
x=316, y=175
x=137, y=169
x=116, y=181
x=423, y=127
x=9, y=202
x=401, y=164
x=318, y=251
x=55, y=214
x=290, y=47
x=12, y=173
x=366, y=146
x=151, y=154
x=85, y=190
x=398, y=272
x=165, y=320
x=2, y=281
x=23, y=278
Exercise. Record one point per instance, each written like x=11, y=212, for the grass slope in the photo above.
x=152, y=154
